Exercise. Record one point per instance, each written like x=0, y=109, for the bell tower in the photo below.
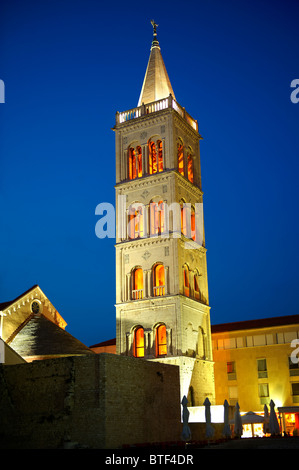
x=162, y=302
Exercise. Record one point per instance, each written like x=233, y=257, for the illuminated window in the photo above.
x=157, y=217
x=190, y=168
x=138, y=344
x=152, y=159
x=161, y=340
x=186, y=281
x=159, y=280
x=155, y=157
x=231, y=370
x=137, y=284
x=184, y=219
x=135, y=226
x=135, y=162
x=160, y=156
x=193, y=227
x=181, y=159
x=132, y=164
x=196, y=286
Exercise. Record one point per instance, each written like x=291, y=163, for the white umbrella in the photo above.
x=226, y=429
x=266, y=427
x=186, y=433
x=273, y=421
x=209, y=429
x=238, y=428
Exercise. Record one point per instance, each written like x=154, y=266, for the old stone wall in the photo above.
x=101, y=401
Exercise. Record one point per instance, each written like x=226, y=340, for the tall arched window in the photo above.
x=181, y=158
x=157, y=217
x=193, y=225
x=137, y=284
x=196, y=286
x=152, y=158
x=160, y=155
x=186, y=281
x=161, y=340
x=138, y=343
x=139, y=161
x=159, y=280
x=155, y=157
x=190, y=168
x=183, y=218
x=132, y=163
x=135, y=225
x=135, y=162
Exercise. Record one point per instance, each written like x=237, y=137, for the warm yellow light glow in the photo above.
x=193, y=230
x=159, y=280
x=161, y=340
x=186, y=281
x=190, y=169
x=181, y=159
x=138, y=345
x=183, y=220
x=135, y=225
x=137, y=284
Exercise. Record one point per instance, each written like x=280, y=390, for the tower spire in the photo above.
x=156, y=83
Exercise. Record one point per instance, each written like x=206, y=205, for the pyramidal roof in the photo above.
x=156, y=83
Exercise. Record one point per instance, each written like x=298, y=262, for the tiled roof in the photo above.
x=254, y=324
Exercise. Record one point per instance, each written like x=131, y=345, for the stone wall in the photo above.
x=101, y=401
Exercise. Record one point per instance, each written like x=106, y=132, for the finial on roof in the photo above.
x=155, y=40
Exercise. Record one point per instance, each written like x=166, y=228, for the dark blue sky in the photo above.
x=68, y=66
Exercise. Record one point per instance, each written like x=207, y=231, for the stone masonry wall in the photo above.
x=101, y=401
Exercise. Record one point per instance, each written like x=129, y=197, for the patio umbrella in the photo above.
x=266, y=427
x=186, y=433
x=273, y=421
x=226, y=429
x=209, y=429
x=252, y=418
x=238, y=428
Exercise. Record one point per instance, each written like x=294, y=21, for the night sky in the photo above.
x=68, y=66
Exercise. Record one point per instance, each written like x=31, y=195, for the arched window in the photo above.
x=186, y=281
x=159, y=280
x=183, y=218
x=137, y=284
x=135, y=162
x=138, y=343
x=139, y=161
x=181, y=158
x=161, y=340
x=196, y=286
x=135, y=225
x=155, y=157
x=132, y=163
x=157, y=217
x=190, y=168
x=193, y=225
x=160, y=155
x=152, y=158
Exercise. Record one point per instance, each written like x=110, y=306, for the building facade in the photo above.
x=256, y=361
x=162, y=302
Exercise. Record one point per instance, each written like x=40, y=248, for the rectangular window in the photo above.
x=231, y=370
x=263, y=393
x=295, y=392
x=293, y=367
x=262, y=368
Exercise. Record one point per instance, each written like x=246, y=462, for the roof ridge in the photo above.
x=19, y=328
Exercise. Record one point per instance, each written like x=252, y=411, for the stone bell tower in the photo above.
x=162, y=302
